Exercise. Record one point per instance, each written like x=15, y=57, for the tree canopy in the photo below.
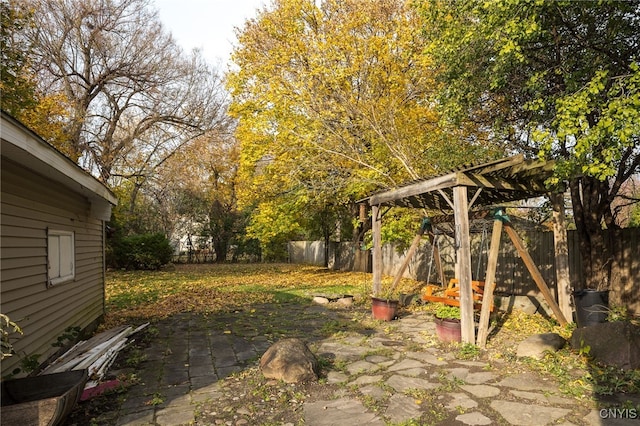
x=335, y=99
x=133, y=95
x=105, y=83
x=556, y=78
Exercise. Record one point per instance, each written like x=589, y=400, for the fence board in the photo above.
x=512, y=276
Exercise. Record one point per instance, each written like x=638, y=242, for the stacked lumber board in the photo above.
x=95, y=355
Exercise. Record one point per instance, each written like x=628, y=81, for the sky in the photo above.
x=207, y=24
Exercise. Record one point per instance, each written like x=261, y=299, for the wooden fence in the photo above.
x=512, y=277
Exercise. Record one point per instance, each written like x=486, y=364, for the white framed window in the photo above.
x=61, y=256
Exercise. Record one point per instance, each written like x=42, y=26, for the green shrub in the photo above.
x=142, y=251
x=447, y=311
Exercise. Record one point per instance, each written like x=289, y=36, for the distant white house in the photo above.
x=52, y=242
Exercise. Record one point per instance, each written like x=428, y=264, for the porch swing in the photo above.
x=451, y=294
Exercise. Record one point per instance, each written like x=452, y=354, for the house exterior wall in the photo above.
x=30, y=204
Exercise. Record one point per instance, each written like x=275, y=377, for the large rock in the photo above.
x=535, y=346
x=612, y=343
x=289, y=360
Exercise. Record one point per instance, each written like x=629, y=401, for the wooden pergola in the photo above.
x=489, y=184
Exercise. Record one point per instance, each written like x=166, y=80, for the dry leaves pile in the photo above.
x=138, y=296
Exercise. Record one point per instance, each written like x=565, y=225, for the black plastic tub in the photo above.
x=41, y=400
x=592, y=306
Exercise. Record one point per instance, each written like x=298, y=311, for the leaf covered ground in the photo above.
x=251, y=293
x=132, y=296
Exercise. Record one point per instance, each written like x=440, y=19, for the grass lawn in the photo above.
x=138, y=296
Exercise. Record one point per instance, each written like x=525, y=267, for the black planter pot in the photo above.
x=592, y=306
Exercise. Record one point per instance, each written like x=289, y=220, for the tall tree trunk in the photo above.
x=221, y=247
x=591, y=206
x=327, y=242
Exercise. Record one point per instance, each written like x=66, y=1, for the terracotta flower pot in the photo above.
x=384, y=309
x=448, y=329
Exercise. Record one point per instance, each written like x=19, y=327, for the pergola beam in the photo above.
x=446, y=181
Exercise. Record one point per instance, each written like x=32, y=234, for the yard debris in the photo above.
x=342, y=300
x=96, y=354
x=100, y=389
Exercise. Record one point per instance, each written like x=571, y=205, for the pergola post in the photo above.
x=376, y=227
x=490, y=278
x=463, y=260
x=561, y=256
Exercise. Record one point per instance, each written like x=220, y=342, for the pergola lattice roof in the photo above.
x=510, y=179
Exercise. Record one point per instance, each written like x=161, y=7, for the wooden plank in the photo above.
x=475, y=197
x=436, y=257
x=561, y=251
x=407, y=258
x=448, y=301
x=535, y=273
x=446, y=181
x=463, y=259
x=490, y=278
x=482, y=181
x=449, y=218
x=446, y=198
x=501, y=164
x=79, y=351
x=376, y=223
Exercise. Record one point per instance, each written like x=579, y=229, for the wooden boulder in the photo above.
x=289, y=360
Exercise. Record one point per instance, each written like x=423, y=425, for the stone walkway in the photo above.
x=376, y=377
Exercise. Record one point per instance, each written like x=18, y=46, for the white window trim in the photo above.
x=62, y=254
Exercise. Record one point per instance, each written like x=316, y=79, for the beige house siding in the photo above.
x=30, y=205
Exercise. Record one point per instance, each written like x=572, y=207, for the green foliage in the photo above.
x=399, y=227
x=29, y=363
x=144, y=251
x=156, y=399
x=618, y=313
x=273, y=225
x=42, y=113
x=603, y=380
x=634, y=220
x=7, y=328
x=135, y=214
x=468, y=351
x=69, y=335
x=447, y=311
x=334, y=101
x=608, y=380
x=560, y=79
x=16, y=83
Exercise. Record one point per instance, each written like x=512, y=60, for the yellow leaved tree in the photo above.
x=334, y=100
